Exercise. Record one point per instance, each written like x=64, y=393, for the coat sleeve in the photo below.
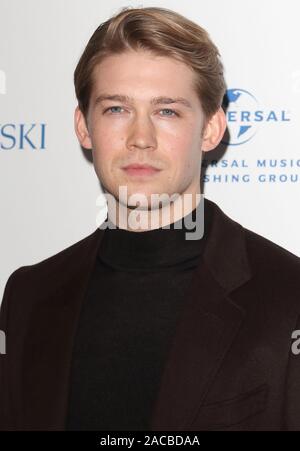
x=6, y=415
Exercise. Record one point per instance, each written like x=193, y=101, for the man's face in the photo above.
x=164, y=135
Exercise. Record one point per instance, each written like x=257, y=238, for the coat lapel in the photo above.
x=204, y=334
x=207, y=328
x=49, y=342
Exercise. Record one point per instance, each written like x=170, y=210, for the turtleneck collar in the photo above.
x=157, y=249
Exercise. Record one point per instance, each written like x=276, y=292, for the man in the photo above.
x=136, y=327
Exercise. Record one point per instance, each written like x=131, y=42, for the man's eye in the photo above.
x=169, y=110
x=111, y=108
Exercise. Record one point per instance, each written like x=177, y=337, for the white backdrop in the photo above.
x=49, y=188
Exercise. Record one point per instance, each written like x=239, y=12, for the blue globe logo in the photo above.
x=240, y=123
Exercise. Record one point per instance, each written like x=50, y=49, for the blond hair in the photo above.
x=165, y=33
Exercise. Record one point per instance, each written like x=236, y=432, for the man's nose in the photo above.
x=141, y=133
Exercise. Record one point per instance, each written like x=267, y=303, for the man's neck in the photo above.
x=139, y=220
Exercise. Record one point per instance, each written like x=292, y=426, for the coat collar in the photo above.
x=205, y=332
x=207, y=328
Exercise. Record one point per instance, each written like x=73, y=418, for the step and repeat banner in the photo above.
x=49, y=193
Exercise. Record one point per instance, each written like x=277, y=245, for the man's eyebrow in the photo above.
x=162, y=100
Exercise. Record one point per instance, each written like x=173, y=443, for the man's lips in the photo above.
x=140, y=169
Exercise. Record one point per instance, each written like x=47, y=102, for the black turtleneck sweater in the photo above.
x=137, y=290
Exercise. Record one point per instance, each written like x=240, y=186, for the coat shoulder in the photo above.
x=269, y=255
x=30, y=279
x=276, y=274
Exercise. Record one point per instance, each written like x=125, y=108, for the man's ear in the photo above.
x=214, y=130
x=81, y=129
